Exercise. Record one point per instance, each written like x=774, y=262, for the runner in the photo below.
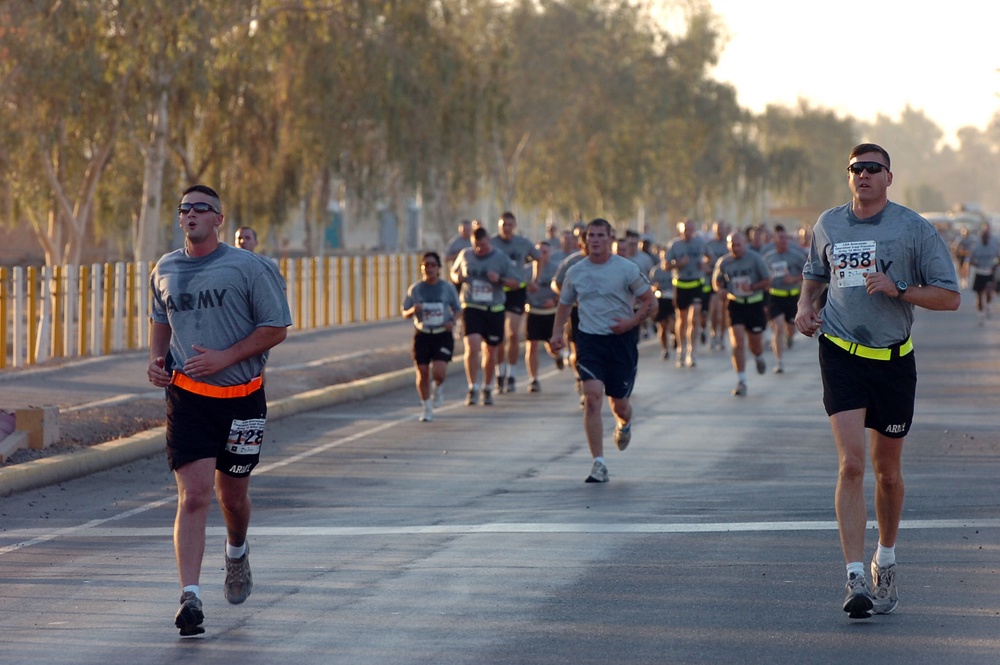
x=742, y=278
x=785, y=263
x=482, y=273
x=219, y=310
x=684, y=257
x=983, y=258
x=605, y=287
x=521, y=251
x=541, y=310
x=432, y=304
x=877, y=260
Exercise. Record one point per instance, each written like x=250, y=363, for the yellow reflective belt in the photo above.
x=782, y=293
x=868, y=352
x=690, y=284
x=749, y=300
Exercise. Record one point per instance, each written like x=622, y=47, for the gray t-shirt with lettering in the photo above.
x=215, y=301
x=896, y=241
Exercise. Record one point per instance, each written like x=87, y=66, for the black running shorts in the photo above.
x=886, y=388
x=230, y=429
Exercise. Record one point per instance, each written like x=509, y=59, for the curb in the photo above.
x=104, y=456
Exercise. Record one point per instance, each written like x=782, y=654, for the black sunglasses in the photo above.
x=197, y=207
x=872, y=167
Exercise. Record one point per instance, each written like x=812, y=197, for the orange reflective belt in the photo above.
x=198, y=388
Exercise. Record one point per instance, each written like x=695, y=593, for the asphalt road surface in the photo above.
x=473, y=538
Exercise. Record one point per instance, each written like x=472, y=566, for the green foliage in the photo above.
x=561, y=107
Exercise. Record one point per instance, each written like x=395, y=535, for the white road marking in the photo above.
x=497, y=528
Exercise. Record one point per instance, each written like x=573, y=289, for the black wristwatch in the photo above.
x=901, y=287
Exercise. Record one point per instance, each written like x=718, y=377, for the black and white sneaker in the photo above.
x=858, y=601
x=190, y=616
x=598, y=473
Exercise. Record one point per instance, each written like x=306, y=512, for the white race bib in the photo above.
x=852, y=261
x=740, y=286
x=245, y=436
x=481, y=290
x=432, y=314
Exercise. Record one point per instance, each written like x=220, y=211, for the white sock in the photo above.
x=599, y=459
x=855, y=568
x=193, y=588
x=234, y=552
x=885, y=556
x=742, y=376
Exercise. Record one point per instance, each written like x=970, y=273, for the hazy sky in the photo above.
x=866, y=58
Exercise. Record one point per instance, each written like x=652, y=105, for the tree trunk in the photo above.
x=147, y=233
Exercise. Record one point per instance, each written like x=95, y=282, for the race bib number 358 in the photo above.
x=852, y=261
x=246, y=436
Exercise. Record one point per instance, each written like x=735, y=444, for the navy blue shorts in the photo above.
x=611, y=359
x=230, y=429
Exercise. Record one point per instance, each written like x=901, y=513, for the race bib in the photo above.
x=246, y=436
x=432, y=314
x=852, y=261
x=740, y=286
x=481, y=290
x=779, y=269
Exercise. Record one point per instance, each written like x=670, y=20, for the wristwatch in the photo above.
x=901, y=287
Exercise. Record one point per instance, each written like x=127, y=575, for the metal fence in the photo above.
x=99, y=309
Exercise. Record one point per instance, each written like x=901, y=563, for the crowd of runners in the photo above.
x=716, y=289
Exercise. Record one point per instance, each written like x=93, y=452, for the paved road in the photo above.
x=472, y=539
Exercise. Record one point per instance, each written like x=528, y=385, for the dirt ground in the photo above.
x=88, y=427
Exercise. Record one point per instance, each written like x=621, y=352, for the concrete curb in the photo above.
x=103, y=456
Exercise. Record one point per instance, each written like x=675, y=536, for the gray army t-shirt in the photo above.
x=896, y=241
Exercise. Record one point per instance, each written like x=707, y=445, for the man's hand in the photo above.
x=206, y=363
x=158, y=376
x=879, y=282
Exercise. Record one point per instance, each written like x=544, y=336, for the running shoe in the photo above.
x=884, y=596
x=438, y=395
x=190, y=616
x=690, y=362
x=623, y=435
x=560, y=363
x=858, y=602
x=510, y=384
x=779, y=369
x=487, y=398
x=501, y=382
x=761, y=365
x=239, y=581
x=534, y=386
x=598, y=473
x=470, y=399
x=666, y=354
x=428, y=414
x=740, y=390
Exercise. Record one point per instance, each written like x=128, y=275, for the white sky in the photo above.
x=866, y=58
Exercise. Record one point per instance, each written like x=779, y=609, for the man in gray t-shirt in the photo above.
x=605, y=287
x=218, y=310
x=482, y=272
x=877, y=261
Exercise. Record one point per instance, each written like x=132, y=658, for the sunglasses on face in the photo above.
x=197, y=207
x=872, y=167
